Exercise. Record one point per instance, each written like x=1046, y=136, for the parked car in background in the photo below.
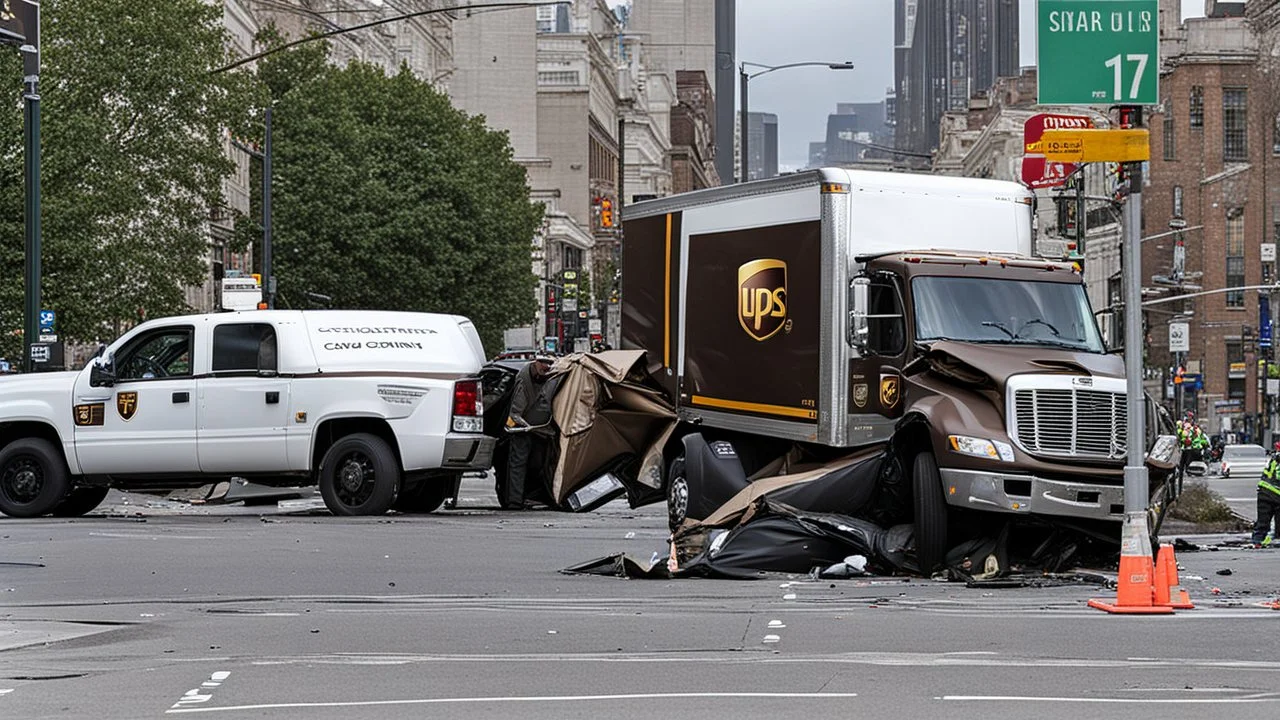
x=1243, y=461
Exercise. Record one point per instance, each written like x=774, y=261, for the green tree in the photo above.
x=385, y=196
x=133, y=156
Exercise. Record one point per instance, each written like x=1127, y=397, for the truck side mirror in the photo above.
x=858, y=300
x=101, y=373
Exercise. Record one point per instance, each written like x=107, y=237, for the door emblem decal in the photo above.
x=860, y=392
x=127, y=404
x=889, y=391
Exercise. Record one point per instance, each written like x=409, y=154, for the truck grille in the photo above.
x=1070, y=421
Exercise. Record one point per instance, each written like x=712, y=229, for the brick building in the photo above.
x=1214, y=167
x=693, y=134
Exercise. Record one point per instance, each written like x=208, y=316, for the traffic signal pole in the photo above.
x=31, y=169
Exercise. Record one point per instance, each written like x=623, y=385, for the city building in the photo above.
x=944, y=52
x=693, y=134
x=1212, y=203
x=762, y=145
x=853, y=133
x=680, y=35
x=646, y=100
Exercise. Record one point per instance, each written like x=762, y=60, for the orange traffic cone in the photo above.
x=1168, y=592
x=1135, y=590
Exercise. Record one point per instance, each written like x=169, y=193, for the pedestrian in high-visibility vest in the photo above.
x=1268, y=500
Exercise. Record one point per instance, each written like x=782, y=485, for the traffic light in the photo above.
x=1068, y=224
x=1073, y=255
x=606, y=213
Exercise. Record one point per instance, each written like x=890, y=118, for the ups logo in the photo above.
x=762, y=297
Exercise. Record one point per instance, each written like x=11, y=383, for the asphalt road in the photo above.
x=155, y=608
x=1241, y=493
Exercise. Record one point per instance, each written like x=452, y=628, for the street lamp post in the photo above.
x=744, y=78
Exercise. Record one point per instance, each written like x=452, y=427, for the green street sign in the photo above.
x=1098, y=52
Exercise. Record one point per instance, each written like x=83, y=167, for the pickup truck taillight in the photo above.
x=468, y=406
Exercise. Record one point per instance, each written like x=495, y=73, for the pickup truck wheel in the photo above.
x=80, y=501
x=359, y=476
x=33, y=478
x=677, y=494
x=930, y=512
x=426, y=497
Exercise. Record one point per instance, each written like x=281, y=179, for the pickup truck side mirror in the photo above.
x=101, y=373
x=858, y=301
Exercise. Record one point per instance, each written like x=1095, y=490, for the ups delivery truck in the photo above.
x=837, y=309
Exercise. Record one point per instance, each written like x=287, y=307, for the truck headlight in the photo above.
x=981, y=447
x=1163, y=450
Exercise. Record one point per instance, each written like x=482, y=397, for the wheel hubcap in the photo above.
x=678, y=502
x=355, y=479
x=22, y=480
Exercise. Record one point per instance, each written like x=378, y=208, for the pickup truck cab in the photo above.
x=380, y=409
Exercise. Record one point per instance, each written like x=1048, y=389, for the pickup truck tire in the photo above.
x=427, y=497
x=930, y=512
x=33, y=478
x=80, y=501
x=359, y=475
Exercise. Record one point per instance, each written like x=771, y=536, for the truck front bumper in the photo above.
x=468, y=452
x=1028, y=494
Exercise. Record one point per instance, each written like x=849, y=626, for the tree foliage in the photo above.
x=133, y=155
x=385, y=196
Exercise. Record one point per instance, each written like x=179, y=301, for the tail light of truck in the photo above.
x=468, y=406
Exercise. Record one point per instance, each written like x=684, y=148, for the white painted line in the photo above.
x=6, y=691
x=517, y=699
x=1270, y=698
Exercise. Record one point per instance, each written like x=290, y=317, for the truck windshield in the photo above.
x=1008, y=312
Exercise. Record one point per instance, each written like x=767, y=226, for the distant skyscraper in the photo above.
x=945, y=51
x=762, y=145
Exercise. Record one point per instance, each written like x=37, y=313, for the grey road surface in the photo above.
x=155, y=609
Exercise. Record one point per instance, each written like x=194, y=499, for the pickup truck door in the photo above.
x=244, y=405
x=875, y=381
x=146, y=422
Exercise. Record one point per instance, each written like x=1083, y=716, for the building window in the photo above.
x=1275, y=137
x=1177, y=201
x=1195, y=112
x=558, y=77
x=1170, y=142
x=1235, y=256
x=1235, y=144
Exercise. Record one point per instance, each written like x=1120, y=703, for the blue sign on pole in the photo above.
x=1264, y=321
x=47, y=318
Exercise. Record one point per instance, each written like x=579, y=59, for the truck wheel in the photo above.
x=427, y=497
x=33, y=478
x=359, y=476
x=930, y=512
x=80, y=501
x=677, y=494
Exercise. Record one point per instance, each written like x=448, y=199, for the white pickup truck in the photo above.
x=381, y=409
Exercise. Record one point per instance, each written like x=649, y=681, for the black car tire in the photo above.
x=930, y=512
x=80, y=501
x=33, y=478
x=427, y=497
x=359, y=475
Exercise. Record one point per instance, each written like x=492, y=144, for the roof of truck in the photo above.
x=932, y=262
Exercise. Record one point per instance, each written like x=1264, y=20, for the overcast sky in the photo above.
x=861, y=31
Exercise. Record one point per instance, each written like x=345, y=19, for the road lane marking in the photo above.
x=201, y=694
x=5, y=691
x=518, y=699
x=1259, y=698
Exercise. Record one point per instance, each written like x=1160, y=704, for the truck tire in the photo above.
x=930, y=512
x=33, y=478
x=359, y=476
x=80, y=501
x=677, y=494
x=427, y=497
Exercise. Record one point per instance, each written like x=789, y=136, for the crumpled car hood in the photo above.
x=993, y=365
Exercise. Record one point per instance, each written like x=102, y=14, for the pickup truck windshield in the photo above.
x=1007, y=312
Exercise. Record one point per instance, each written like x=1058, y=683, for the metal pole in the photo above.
x=268, y=280
x=742, y=125
x=1136, y=489
x=31, y=163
